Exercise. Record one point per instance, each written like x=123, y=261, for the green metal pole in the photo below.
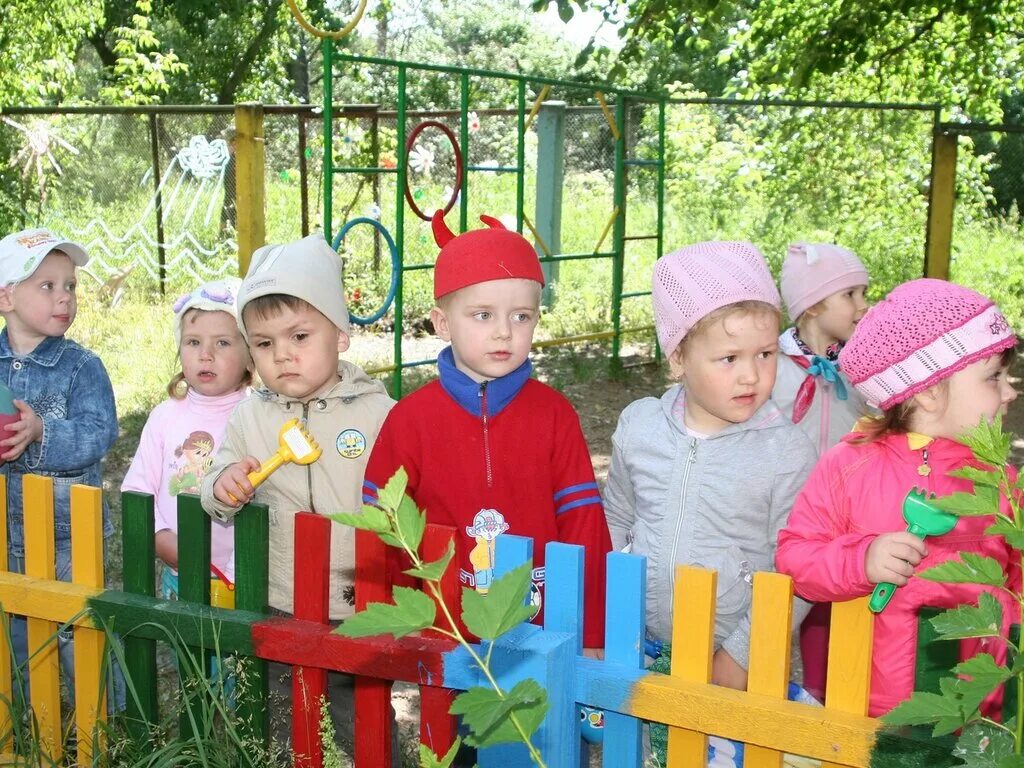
x=464, y=143
x=618, y=231
x=661, y=197
x=328, y=171
x=520, y=152
x=396, y=377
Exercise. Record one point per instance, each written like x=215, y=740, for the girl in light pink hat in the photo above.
x=707, y=473
x=823, y=287
x=933, y=356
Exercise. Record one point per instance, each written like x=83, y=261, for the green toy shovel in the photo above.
x=923, y=520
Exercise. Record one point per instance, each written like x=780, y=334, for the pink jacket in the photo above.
x=855, y=493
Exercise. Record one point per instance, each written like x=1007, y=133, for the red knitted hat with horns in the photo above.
x=481, y=255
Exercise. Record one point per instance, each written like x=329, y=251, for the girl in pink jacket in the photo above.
x=933, y=356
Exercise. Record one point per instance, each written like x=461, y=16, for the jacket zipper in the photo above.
x=690, y=459
x=309, y=467
x=487, y=439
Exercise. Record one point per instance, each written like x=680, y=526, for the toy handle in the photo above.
x=881, y=595
x=266, y=469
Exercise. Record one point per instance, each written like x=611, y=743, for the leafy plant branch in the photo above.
x=957, y=706
x=492, y=714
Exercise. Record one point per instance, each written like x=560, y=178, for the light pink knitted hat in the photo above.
x=923, y=332
x=694, y=281
x=814, y=271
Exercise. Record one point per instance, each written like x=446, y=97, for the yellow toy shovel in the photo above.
x=295, y=445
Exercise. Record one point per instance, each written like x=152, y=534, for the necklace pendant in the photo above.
x=924, y=470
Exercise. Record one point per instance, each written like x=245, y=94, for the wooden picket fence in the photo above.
x=840, y=734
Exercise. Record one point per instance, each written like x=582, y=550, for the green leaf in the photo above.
x=411, y=612
x=981, y=620
x=486, y=713
x=390, y=496
x=972, y=569
x=988, y=442
x=372, y=519
x=984, y=501
x=925, y=709
x=435, y=570
x=1012, y=761
x=430, y=760
x=1013, y=535
x=987, y=477
x=410, y=522
x=983, y=745
x=982, y=676
x=503, y=607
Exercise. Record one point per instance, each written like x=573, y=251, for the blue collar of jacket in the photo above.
x=467, y=392
x=47, y=353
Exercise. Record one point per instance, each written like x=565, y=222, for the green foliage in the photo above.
x=492, y=714
x=141, y=73
x=487, y=713
x=981, y=620
x=502, y=608
x=983, y=743
x=411, y=612
x=429, y=760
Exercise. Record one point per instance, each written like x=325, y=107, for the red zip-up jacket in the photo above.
x=505, y=456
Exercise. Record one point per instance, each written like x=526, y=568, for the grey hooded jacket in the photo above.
x=717, y=502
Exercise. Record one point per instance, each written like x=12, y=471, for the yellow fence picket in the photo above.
x=693, y=639
x=848, y=684
x=769, y=657
x=44, y=661
x=6, y=742
x=87, y=569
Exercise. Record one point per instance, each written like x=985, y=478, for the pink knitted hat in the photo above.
x=694, y=281
x=923, y=332
x=814, y=271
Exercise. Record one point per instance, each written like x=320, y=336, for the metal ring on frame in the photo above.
x=395, y=266
x=457, y=187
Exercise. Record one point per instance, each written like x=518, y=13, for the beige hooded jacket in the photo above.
x=345, y=422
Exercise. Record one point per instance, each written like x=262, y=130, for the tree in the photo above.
x=38, y=39
x=961, y=53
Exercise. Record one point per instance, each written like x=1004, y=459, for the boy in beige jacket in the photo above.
x=292, y=312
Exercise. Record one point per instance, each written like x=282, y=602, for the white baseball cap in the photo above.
x=23, y=252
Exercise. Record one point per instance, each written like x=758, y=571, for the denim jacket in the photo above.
x=68, y=387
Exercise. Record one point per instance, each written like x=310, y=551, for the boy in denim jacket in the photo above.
x=64, y=399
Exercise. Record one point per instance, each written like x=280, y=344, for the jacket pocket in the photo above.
x=735, y=584
x=62, y=504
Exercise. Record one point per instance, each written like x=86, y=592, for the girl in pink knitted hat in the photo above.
x=707, y=473
x=933, y=356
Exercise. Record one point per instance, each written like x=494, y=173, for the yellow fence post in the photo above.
x=941, y=202
x=848, y=681
x=7, y=745
x=44, y=661
x=771, y=620
x=693, y=641
x=87, y=569
x=250, y=167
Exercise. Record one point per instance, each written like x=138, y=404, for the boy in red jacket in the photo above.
x=489, y=450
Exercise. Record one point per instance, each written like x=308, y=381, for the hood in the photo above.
x=768, y=416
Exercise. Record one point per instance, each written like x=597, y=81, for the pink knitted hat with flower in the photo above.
x=923, y=332
x=694, y=281
x=814, y=271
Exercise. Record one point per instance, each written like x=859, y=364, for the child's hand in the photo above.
x=233, y=487
x=726, y=672
x=891, y=558
x=28, y=429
